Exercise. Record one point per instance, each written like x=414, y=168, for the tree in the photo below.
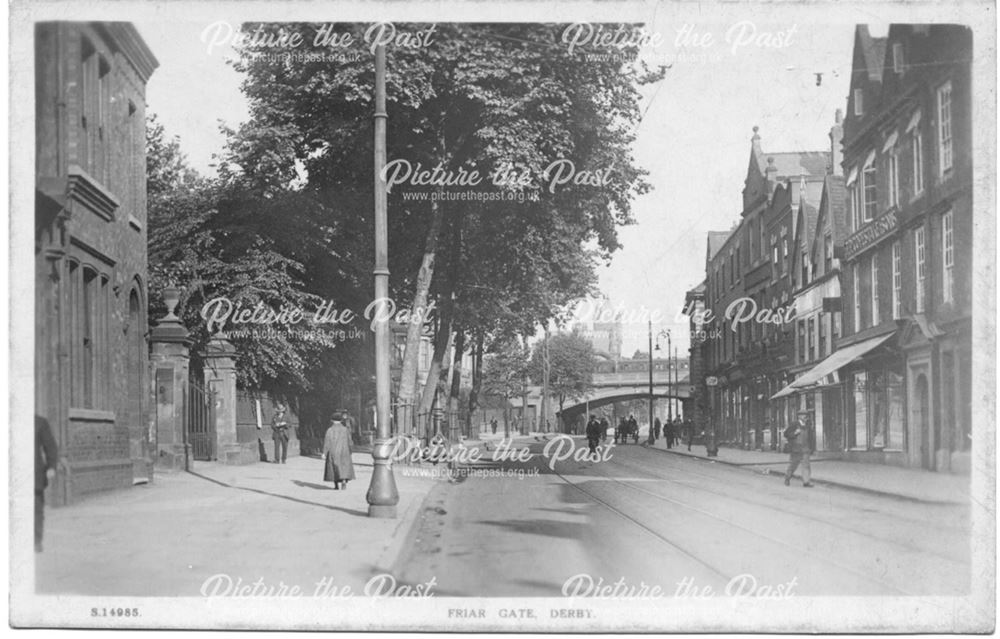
x=482, y=97
x=504, y=375
x=572, y=363
x=218, y=239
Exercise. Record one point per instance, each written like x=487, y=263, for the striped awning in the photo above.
x=834, y=362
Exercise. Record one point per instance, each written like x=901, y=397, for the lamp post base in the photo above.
x=381, y=512
x=382, y=495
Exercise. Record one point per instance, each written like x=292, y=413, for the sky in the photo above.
x=694, y=138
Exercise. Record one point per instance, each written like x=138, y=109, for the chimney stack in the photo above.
x=771, y=173
x=836, y=144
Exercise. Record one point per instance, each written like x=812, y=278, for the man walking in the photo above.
x=46, y=460
x=279, y=433
x=800, y=446
x=593, y=434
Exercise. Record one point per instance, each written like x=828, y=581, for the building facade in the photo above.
x=697, y=408
x=907, y=293
x=748, y=291
x=818, y=316
x=92, y=353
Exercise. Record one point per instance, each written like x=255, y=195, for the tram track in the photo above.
x=715, y=569
x=826, y=522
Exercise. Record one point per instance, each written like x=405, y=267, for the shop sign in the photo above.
x=870, y=234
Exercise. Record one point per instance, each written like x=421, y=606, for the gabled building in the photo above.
x=902, y=365
x=749, y=278
x=91, y=346
x=820, y=235
x=908, y=263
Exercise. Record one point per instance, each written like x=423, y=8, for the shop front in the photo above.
x=938, y=389
x=876, y=410
x=856, y=399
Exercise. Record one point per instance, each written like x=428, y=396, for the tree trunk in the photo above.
x=562, y=416
x=506, y=417
x=477, y=374
x=524, y=405
x=455, y=393
x=441, y=343
x=411, y=356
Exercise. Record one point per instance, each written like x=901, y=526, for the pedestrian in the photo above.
x=604, y=429
x=668, y=433
x=800, y=447
x=46, y=461
x=689, y=431
x=493, y=425
x=337, y=453
x=657, y=428
x=279, y=433
x=593, y=434
x=350, y=423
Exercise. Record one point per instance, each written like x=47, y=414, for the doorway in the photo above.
x=921, y=417
x=134, y=362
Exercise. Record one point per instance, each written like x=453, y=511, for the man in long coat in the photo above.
x=46, y=461
x=337, y=453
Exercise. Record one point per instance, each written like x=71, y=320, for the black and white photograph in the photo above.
x=554, y=317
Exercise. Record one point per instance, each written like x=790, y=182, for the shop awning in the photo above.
x=834, y=362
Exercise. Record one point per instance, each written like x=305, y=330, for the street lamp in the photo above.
x=382, y=494
x=670, y=403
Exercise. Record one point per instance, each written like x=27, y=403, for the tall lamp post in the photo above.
x=669, y=404
x=382, y=494
x=651, y=398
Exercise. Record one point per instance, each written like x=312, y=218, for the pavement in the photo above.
x=882, y=479
x=276, y=522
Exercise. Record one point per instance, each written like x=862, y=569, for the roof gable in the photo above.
x=867, y=67
x=831, y=215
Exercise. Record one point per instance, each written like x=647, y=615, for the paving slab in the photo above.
x=903, y=483
x=278, y=523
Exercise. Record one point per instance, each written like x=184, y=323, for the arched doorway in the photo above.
x=135, y=358
x=921, y=417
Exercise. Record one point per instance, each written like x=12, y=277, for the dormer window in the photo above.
x=868, y=182
x=859, y=102
x=898, y=61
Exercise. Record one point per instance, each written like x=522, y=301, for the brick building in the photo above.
x=748, y=275
x=820, y=235
x=907, y=293
x=697, y=407
x=92, y=354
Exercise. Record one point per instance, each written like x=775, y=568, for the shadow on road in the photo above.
x=349, y=511
x=546, y=527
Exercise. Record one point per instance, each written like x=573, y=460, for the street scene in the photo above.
x=655, y=323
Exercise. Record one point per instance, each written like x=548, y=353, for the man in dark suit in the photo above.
x=800, y=447
x=279, y=433
x=46, y=460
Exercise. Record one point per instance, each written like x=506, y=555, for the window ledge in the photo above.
x=84, y=188
x=91, y=415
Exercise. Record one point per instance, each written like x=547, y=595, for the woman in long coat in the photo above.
x=337, y=453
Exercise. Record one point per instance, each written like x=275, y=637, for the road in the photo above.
x=645, y=518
